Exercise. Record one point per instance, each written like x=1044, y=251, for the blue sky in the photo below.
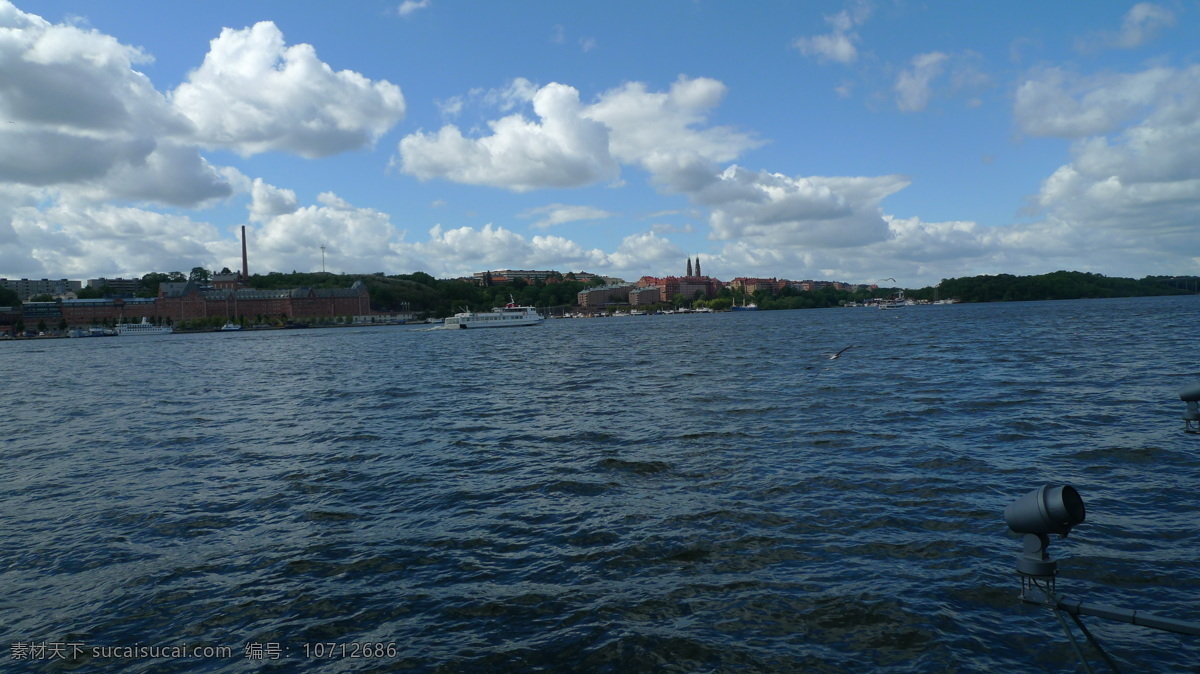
x=848, y=141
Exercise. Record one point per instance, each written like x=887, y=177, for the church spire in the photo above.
x=689, y=272
x=698, y=266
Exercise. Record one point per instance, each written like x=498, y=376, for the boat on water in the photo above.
x=230, y=327
x=508, y=316
x=143, y=328
x=744, y=306
x=897, y=302
x=93, y=331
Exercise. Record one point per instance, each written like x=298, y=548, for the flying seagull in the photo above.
x=835, y=356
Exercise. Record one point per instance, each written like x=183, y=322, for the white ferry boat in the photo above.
x=507, y=316
x=143, y=328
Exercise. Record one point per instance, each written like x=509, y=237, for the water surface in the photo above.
x=666, y=493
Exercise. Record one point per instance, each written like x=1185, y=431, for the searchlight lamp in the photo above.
x=1043, y=511
x=1053, y=509
x=1191, y=418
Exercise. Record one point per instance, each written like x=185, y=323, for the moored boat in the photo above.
x=143, y=328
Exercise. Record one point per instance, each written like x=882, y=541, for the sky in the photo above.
x=842, y=141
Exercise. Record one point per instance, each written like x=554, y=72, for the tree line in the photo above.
x=1059, y=285
x=422, y=294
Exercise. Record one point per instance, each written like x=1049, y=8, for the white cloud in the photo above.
x=774, y=210
x=464, y=250
x=409, y=7
x=268, y=202
x=562, y=149
x=80, y=118
x=253, y=94
x=66, y=240
x=355, y=238
x=647, y=126
x=913, y=85
x=839, y=45
x=1140, y=24
x=1055, y=102
x=1133, y=183
x=643, y=251
x=573, y=145
x=559, y=214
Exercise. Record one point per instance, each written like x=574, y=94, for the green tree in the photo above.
x=9, y=298
x=42, y=298
x=199, y=275
x=89, y=293
x=41, y=325
x=151, y=281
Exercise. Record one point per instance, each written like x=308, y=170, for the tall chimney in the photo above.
x=245, y=267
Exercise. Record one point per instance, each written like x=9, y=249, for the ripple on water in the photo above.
x=598, y=505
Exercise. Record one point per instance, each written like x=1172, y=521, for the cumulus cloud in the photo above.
x=913, y=85
x=559, y=214
x=839, y=45
x=643, y=251
x=1132, y=181
x=771, y=209
x=268, y=202
x=646, y=126
x=254, y=94
x=1140, y=24
x=75, y=242
x=81, y=118
x=1137, y=128
x=409, y=7
x=572, y=144
x=464, y=250
x=562, y=149
x=1056, y=102
x=354, y=238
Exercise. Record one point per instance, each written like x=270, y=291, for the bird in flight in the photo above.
x=835, y=356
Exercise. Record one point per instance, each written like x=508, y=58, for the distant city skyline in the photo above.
x=849, y=140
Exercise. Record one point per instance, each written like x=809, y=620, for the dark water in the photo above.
x=663, y=493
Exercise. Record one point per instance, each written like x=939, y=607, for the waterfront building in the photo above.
x=509, y=275
x=26, y=288
x=688, y=286
x=640, y=297
x=117, y=287
x=226, y=281
x=752, y=285
x=82, y=313
x=34, y=312
x=191, y=302
x=606, y=295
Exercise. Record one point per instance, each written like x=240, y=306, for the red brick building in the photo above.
x=752, y=285
x=188, y=302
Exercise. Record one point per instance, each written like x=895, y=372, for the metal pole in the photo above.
x=1076, y=607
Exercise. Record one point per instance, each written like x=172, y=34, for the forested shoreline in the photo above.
x=425, y=295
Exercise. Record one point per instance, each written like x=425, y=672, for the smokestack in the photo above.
x=245, y=267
